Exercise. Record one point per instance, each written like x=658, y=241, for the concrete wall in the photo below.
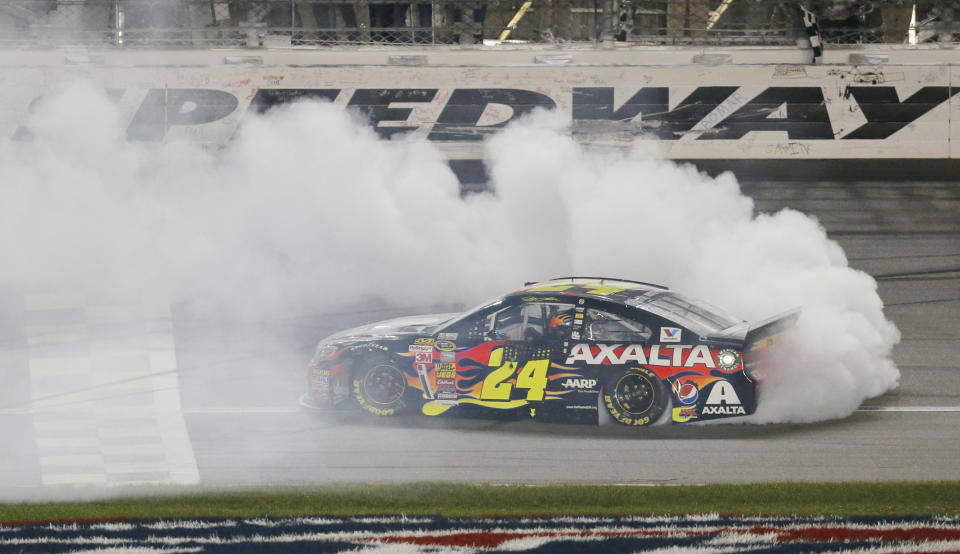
x=746, y=103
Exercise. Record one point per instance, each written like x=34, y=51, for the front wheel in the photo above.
x=379, y=386
x=634, y=396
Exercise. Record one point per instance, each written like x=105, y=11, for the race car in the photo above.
x=564, y=350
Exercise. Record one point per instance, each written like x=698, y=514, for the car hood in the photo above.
x=398, y=327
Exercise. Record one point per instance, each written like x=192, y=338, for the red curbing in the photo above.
x=835, y=534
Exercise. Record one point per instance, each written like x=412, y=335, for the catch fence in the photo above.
x=317, y=23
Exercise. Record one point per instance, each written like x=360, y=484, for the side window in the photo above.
x=604, y=326
x=531, y=321
x=505, y=324
x=469, y=329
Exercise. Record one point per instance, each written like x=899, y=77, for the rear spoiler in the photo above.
x=762, y=340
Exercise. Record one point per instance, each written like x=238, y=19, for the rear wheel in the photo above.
x=634, y=396
x=379, y=386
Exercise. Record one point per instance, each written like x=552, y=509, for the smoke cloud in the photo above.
x=308, y=211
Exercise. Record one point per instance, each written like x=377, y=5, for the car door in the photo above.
x=606, y=335
x=524, y=339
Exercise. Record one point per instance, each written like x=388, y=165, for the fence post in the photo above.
x=118, y=22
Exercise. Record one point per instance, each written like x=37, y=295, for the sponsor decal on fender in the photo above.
x=579, y=383
x=669, y=334
x=686, y=391
x=424, y=340
x=368, y=347
x=321, y=379
x=723, y=400
x=445, y=346
x=423, y=353
x=728, y=360
x=446, y=370
x=681, y=355
x=724, y=410
x=683, y=414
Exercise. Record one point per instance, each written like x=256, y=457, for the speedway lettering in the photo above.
x=681, y=355
x=710, y=112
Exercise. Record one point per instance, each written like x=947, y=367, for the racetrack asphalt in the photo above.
x=899, y=232
x=239, y=396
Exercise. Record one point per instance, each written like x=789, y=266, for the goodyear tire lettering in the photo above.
x=634, y=396
x=379, y=387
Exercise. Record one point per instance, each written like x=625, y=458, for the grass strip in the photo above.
x=467, y=499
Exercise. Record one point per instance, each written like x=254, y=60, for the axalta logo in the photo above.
x=723, y=400
x=681, y=355
x=579, y=383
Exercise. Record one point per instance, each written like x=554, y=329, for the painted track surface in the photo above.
x=557, y=535
x=238, y=395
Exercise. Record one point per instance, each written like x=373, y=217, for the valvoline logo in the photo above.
x=686, y=392
x=669, y=334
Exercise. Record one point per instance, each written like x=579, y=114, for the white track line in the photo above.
x=194, y=411
x=251, y=410
x=294, y=409
x=909, y=409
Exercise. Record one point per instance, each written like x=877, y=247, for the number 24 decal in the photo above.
x=533, y=377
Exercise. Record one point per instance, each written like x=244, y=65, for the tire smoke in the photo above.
x=307, y=211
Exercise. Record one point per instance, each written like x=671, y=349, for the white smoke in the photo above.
x=309, y=211
x=638, y=217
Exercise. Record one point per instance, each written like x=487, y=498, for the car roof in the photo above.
x=600, y=288
x=648, y=297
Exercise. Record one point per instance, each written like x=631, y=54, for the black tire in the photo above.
x=634, y=396
x=379, y=387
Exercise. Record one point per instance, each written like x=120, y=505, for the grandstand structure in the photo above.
x=173, y=24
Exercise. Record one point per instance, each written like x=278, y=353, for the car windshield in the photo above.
x=466, y=315
x=700, y=316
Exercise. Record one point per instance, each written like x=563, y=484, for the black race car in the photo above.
x=559, y=350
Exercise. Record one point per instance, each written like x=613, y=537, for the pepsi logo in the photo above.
x=686, y=392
